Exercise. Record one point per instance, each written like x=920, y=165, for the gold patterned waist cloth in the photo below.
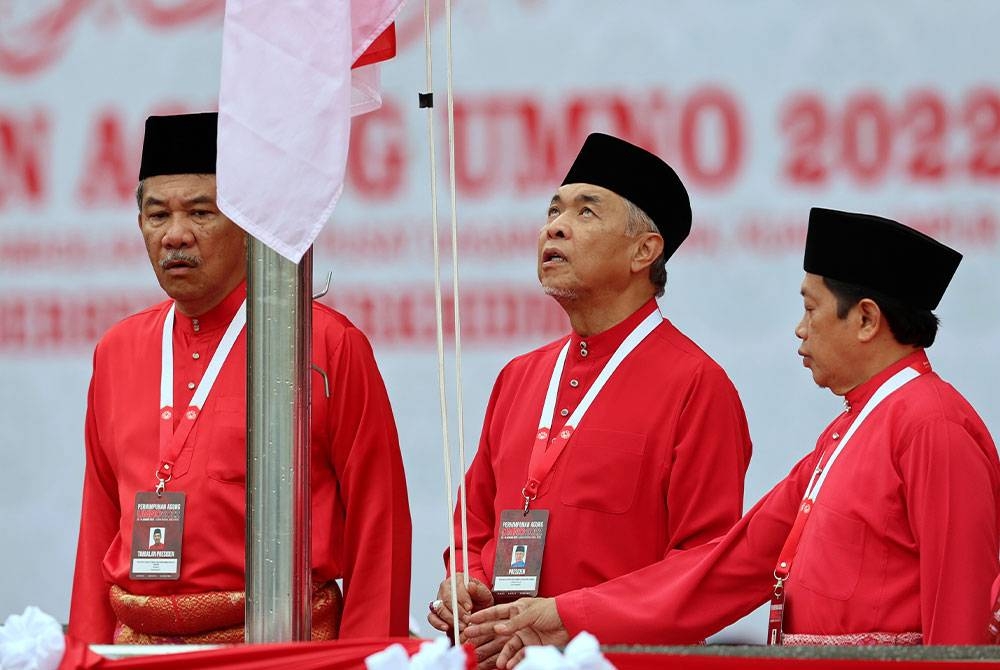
x=212, y=617
x=876, y=639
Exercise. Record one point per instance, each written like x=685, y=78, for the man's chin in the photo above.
x=560, y=293
x=820, y=382
x=179, y=287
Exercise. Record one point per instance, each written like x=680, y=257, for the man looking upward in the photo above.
x=642, y=435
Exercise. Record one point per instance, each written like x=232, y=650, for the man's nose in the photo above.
x=800, y=329
x=557, y=228
x=178, y=232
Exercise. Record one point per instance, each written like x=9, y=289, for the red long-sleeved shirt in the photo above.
x=360, y=515
x=656, y=464
x=902, y=538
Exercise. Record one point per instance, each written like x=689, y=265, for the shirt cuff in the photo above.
x=572, y=610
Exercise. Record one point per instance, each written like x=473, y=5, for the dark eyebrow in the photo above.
x=556, y=200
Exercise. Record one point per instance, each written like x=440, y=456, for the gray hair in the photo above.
x=638, y=222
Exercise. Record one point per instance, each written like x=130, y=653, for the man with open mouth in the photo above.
x=620, y=443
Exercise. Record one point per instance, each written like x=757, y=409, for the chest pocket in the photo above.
x=226, y=440
x=602, y=470
x=831, y=554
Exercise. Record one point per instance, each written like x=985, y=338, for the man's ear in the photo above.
x=871, y=320
x=648, y=249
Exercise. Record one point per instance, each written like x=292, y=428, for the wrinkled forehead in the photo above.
x=583, y=192
x=185, y=187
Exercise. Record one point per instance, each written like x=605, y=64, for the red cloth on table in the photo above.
x=903, y=537
x=336, y=655
x=656, y=464
x=360, y=514
x=628, y=661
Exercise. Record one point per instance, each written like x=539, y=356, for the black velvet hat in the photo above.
x=640, y=177
x=879, y=254
x=180, y=144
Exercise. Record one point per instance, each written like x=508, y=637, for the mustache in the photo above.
x=179, y=257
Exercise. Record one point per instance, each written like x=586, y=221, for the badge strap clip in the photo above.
x=162, y=479
x=530, y=492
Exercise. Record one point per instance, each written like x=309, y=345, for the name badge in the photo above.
x=157, y=532
x=520, y=546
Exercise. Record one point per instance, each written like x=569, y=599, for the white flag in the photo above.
x=285, y=107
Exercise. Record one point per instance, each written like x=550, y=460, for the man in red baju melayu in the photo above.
x=656, y=463
x=360, y=515
x=887, y=533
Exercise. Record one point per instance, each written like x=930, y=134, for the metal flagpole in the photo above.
x=279, y=347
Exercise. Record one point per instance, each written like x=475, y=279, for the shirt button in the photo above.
x=564, y=412
x=191, y=385
x=836, y=436
x=196, y=325
x=574, y=383
x=196, y=355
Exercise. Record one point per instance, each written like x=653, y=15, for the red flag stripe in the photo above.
x=383, y=48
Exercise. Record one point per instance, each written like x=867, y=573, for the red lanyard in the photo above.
x=172, y=442
x=545, y=454
x=787, y=554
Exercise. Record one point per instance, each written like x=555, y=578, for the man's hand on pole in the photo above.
x=470, y=599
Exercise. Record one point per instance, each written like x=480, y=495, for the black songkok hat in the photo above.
x=179, y=144
x=640, y=177
x=879, y=254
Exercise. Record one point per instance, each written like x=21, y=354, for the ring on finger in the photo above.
x=435, y=605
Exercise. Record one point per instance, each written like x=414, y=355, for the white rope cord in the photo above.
x=455, y=294
x=439, y=315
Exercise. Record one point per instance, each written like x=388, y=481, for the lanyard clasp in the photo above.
x=779, y=584
x=163, y=475
x=529, y=492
